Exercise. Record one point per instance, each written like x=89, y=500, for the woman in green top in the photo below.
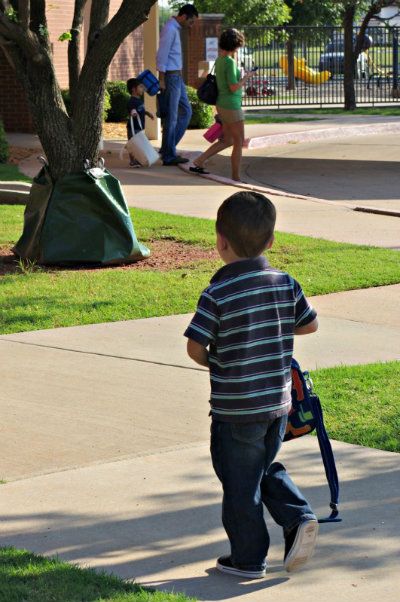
x=229, y=103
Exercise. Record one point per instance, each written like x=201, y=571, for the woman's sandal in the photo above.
x=199, y=170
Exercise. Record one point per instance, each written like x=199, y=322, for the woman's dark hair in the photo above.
x=132, y=83
x=189, y=10
x=231, y=39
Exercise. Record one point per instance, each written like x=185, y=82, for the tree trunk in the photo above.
x=68, y=140
x=291, y=85
x=349, y=59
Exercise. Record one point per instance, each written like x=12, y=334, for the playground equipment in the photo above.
x=301, y=71
x=259, y=86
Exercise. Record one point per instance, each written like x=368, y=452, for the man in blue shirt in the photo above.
x=176, y=107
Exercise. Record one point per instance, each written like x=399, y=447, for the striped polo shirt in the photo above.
x=247, y=317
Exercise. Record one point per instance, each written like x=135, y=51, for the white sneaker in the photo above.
x=300, y=544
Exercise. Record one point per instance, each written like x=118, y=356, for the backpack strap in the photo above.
x=327, y=455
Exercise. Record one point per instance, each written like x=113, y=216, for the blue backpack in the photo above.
x=305, y=417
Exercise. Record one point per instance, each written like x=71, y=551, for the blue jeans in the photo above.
x=242, y=456
x=178, y=114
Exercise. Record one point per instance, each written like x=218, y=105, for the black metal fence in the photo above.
x=318, y=57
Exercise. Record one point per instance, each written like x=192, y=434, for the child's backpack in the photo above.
x=150, y=82
x=306, y=416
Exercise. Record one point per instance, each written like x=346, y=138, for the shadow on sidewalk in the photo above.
x=185, y=535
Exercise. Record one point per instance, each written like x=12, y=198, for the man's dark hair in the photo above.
x=247, y=221
x=189, y=10
x=132, y=83
x=231, y=39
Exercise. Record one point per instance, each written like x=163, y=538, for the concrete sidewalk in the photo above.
x=106, y=448
x=156, y=519
x=113, y=421
x=174, y=191
x=104, y=392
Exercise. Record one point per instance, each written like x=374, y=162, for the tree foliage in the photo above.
x=313, y=12
x=248, y=12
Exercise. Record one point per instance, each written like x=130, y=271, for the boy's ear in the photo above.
x=270, y=242
x=222, y=241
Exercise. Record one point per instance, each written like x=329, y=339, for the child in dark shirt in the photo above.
x=137, y=111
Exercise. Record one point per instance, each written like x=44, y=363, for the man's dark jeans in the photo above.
x=177, y=111
x=242, y=456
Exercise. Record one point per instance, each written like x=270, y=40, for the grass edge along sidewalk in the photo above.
x=38, y=299
x=32, y=578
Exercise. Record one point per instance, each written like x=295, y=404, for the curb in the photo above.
x=390, y=212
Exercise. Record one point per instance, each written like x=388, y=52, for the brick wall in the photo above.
x=194, y=45
x=128, y=60
x=59, y=20
x=13, y=108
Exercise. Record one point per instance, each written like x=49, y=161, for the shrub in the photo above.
x=3, y=145
x=203, y=115
x=106, y=107
x=119, y=97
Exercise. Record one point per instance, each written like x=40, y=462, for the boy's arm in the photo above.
x=306, y=321
x=197, y=353
x=308, y=328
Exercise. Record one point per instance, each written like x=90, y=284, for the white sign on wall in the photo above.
x=211, y=49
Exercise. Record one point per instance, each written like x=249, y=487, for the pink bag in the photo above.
x=214, y=132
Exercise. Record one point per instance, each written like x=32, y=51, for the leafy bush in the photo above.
x=203, y=115
x=106, y=107
x=3, y=145
x=119, y=97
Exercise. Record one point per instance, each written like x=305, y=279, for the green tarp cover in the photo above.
x=81, y=218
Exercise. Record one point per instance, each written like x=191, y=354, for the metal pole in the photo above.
x=395, y=58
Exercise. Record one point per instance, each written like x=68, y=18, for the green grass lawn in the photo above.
x=26, y=577
x=48, y=299
x=10, y=173
x=361, y=404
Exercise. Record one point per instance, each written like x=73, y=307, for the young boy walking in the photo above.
x=137, y=111
x=243, y=331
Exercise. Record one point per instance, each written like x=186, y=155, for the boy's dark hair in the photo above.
x=247, y=221
x=189, y=10
x=132, y=83
x=230, y=39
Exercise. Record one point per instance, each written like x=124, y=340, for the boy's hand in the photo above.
x=150, y=115
x=134, y=113
x=197, y=353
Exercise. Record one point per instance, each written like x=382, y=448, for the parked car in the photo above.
x=333, y=60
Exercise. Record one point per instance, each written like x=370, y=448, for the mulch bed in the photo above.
x=114, y=131
x=165, y=255
x=17, y=154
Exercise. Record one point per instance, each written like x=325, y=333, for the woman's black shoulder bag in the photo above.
x=208, y=90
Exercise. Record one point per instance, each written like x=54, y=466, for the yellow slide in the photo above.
x=301, y=71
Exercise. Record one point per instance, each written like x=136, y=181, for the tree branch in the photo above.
x=373, y=10
x=99, y=14
x=38, y=12
x=24, y=13
x=74, y=59
x=126, y=20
